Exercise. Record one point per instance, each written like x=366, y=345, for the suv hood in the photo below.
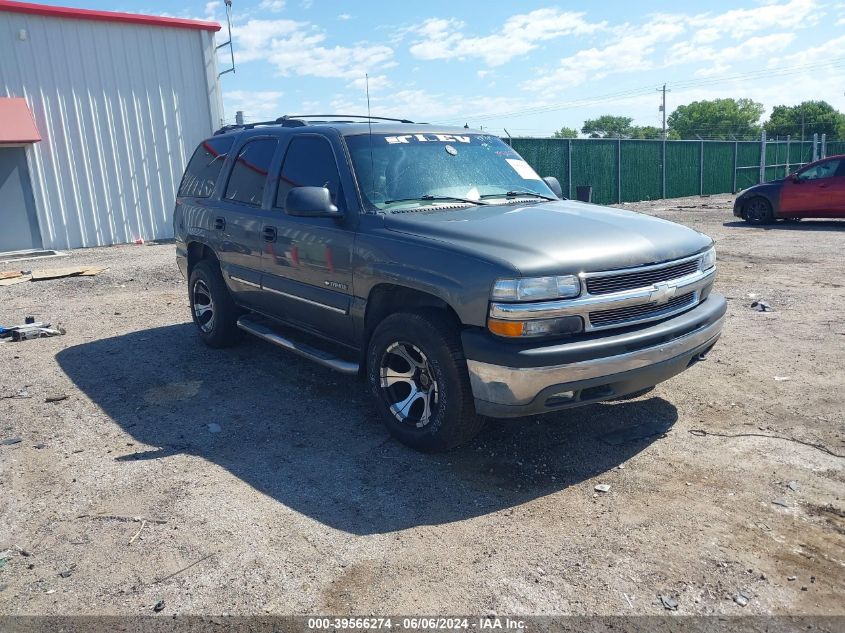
x=560, y=237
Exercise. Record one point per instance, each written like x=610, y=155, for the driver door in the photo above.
x=813, y=191
x=307, y=262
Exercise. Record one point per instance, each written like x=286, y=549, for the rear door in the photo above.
x=813, y=191
x=239, y=216
x=308, y=261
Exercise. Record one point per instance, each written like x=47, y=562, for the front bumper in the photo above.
x=510, y=381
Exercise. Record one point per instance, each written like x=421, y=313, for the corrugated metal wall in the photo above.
x=692, y=167
x=120, y=108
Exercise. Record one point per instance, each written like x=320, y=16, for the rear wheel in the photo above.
x=417, y=373
x=758, y=211
x=214, y=312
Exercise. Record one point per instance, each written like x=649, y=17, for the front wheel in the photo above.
x=417, y=373
x=758, y=211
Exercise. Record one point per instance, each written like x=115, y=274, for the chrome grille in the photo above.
x=638, y=313
x=606, y=284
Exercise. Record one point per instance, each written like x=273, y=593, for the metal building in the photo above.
x=99, y=113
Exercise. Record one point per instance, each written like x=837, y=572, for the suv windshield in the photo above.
x=421, y=170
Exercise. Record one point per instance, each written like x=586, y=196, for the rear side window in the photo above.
x=204, y=168
x=821, y=171
x=309, y=162
x=249, y=175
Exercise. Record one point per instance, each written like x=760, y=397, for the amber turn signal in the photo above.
x=505, y=328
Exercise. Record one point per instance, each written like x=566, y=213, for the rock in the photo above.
x=40, y=445
x=792, y=485
x=780, y=502
x=668, y=603
x=781, y=378
x=213, y=427
x=602, y=487
x=159, y=606
x=741, y=598
x=761, y=306
x=56, y=397
x=791, y=578
x=9, y=441
x=66, y=573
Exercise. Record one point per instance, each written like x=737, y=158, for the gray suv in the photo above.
x=435, y=262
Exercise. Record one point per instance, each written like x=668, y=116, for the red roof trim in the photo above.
x=17, y=124
x=105, y=16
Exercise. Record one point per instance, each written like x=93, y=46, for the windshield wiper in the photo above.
x=517, y=194
x=429, y=198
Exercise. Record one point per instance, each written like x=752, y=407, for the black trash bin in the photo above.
x=584, y=193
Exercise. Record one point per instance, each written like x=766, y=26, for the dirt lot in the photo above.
x=295, y=500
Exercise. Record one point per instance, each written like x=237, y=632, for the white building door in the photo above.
x=18, y=221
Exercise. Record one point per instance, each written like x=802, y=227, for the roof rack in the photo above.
x=299, y=120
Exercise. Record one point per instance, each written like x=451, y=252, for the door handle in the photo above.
x=219, y=223
x=269, y=233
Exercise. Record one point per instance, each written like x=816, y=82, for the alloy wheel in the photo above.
x=203, y=306
x=408, y=385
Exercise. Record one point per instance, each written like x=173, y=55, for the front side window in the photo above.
x=309, y=162
x=822, y=170
x=249, y=175
x=418, y=170
x=204, y=168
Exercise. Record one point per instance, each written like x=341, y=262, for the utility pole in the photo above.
x=663, y=108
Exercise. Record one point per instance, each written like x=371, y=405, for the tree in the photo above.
x=608, y=126
x=719, y=118
x=645, y=131
x=566, y=132
x=819, y=118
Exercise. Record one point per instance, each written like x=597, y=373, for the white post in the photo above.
x=824, y=145
x=762, y=177
x=815, y=146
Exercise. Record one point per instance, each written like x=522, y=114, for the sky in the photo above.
x=526, y=67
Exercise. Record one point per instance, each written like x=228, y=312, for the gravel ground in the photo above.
x=269, y=486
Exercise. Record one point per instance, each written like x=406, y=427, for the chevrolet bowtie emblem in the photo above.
x=661, y=294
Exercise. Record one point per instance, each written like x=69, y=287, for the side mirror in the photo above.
x=310, y=202
x=795, y=178
x=553, y=184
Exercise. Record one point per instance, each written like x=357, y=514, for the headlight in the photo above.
x=536, y=288
x=708, y=260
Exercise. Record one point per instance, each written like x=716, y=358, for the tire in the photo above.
x=758, y=211
x=208, y=295
x=417, y=373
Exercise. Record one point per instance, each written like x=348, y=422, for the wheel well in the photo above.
x=197, y=251
x=386, y=299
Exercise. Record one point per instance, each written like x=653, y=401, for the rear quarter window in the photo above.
x=204, y=168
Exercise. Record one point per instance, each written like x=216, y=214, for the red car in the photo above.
x=816, y=190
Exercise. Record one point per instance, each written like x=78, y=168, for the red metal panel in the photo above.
x=105, y=16
x=16, y=122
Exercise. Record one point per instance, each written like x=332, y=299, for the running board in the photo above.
x=261, y=330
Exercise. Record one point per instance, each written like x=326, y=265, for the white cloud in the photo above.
x=300, y=48
x=439, y=38
x=721, y=58
x=211, y=9
x=344, y=16
x=631, y=51
x=377, y=83
x=256, y=105
x=276, y=6
x=738, y=23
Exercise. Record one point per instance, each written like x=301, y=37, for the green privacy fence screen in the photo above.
x=626, y=170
